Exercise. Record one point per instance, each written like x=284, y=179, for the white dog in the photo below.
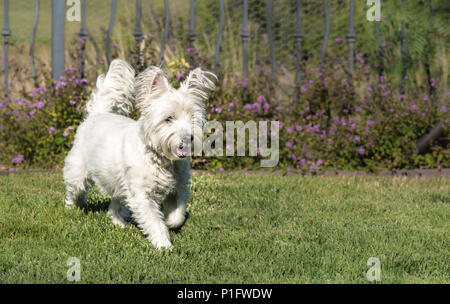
x=143, y=165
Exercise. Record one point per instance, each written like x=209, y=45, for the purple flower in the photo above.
x=261, y=98
x=289, y=130
x=303, y=161
x=443, y=109
x=39, y=105
x=289, y=144
x=221, y=170
x=360, y=58
x=51, y=130
x=370, y=123
x=292, y=156
x=18, y=159
x=298, y=128
x=179, y=75
x=65, y=134
x=413, y=107
x=72, y=103
x=304, y=88
x=37, y=91
x=356, y=139
x=361, y=150
x=314, y=166
x=69, y=128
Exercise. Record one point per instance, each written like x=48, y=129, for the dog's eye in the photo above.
x=169, y=119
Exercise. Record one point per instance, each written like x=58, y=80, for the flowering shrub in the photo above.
x=37, y=129
x=364, y=123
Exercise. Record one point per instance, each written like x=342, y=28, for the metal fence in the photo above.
x=277, y=34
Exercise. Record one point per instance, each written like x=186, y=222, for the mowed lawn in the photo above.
x=241, y=229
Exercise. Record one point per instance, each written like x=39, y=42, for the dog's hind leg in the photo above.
x=75, y=179
x=119, y=214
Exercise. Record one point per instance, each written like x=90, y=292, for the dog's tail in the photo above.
x=115, y=91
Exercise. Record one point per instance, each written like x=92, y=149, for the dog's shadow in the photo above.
x=96, y=202
x=100, y=203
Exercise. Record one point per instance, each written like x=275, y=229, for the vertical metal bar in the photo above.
x=379, y=34
x=83, y=36
x=427, y=53
x=192, y=34
x=166, y=30
x=33, y=35
x=245, y=35
x=325, y=36
x=403, y=51
x=219, y=37
x=138, y=36
x=58, y=37
x=270, y=36
x=110, y=29
x=298, y=39
x=351, y=37
x=6, y=33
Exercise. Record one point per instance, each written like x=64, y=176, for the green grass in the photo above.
x=241, y=229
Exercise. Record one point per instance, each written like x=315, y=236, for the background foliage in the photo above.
x=342, y=123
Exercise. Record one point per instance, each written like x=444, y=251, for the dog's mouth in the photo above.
x=182, y=151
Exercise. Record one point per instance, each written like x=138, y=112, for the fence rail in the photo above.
x=297, y=37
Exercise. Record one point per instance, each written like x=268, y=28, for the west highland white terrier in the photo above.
x=143, y=165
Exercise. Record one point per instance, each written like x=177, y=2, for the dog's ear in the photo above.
x=151, y=83
x=199, y=83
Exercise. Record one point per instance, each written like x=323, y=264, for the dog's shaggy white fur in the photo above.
x=143, y=165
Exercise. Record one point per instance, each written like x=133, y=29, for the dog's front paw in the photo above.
x=162, y=244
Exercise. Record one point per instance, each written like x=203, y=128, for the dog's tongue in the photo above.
x=181, y=153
